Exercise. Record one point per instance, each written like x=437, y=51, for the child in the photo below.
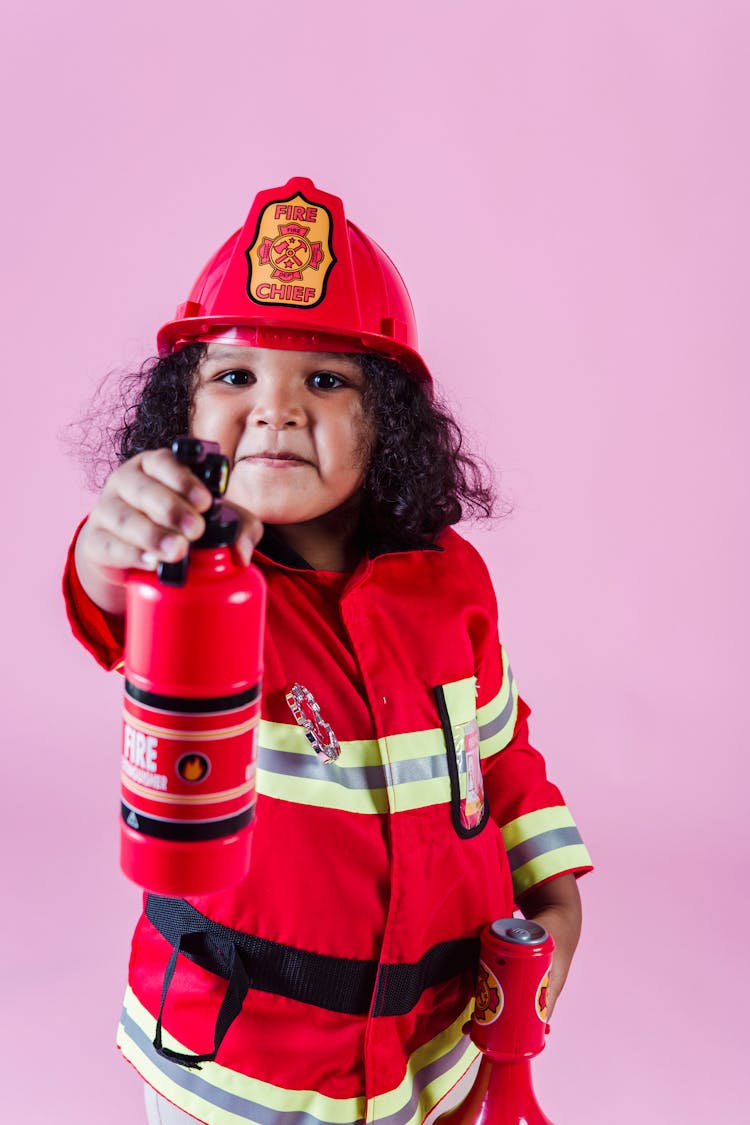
x=372, y=875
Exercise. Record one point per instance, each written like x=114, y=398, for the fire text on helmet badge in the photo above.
x=305, y=708
x=291, y=257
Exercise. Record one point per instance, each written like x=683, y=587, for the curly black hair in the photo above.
x=161, y=410
x=421, y=478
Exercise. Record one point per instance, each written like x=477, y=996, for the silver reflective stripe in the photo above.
x=422, y=1079
x=191, y=1081
x=232, y=1103
x=541, y=844
x=496, y=724
x=418, y=769
x=351, y=777
x=310, y=766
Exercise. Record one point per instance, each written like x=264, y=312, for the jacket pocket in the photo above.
x=456, y=704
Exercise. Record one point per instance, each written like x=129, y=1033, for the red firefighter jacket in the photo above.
x=371, y=876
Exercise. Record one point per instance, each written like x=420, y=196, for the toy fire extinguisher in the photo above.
x=193, y=665
x=509, y=1025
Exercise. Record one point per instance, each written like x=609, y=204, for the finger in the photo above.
x=162, y=465
x=250, y=533
x=126, y=524
x=160, y=504
x=117, y=556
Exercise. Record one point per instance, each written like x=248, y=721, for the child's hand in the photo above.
x=556, y=905
x=149, y=511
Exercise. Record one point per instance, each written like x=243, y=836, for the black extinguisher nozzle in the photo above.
x=205, y=461
x=173, y=573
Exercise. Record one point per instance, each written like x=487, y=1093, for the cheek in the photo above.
x=199, y=414
x=212, y=421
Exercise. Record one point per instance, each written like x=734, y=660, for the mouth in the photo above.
x=276, y=457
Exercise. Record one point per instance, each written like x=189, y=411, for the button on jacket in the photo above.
x=372, y=875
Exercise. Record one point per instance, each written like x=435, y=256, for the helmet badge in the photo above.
x=290, y=257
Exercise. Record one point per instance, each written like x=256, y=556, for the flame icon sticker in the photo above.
x=193, y=767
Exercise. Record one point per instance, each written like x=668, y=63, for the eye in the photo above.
x=235, y=378
x=326, y=381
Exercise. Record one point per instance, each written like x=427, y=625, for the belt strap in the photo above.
x=338, y=984
x=231, y=1006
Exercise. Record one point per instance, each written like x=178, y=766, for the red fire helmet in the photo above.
x=299, y=276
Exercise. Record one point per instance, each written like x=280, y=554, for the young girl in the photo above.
x=355, y=933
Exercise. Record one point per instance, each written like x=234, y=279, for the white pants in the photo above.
x=161, y=1112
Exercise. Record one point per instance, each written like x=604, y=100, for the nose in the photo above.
x=278, y=408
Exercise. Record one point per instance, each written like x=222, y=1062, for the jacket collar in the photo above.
x=273, y=548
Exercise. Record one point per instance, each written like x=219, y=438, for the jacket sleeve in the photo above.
x=539, y=833
x=102, y=634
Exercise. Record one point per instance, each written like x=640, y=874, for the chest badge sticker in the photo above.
x=291, y=256
x=318, y=732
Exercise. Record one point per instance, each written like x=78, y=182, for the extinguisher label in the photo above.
x=188, y=775
x=489, y=998
x=290, y=257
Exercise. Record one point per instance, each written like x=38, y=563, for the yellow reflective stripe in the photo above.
x=290, y=770
x=449, y=1055
x=489, y=710
x=402, y=797
x=533, y=823
x=542, y=844
x=324, y=794
x=497, y=719
x=290, y=738
x=552, y=863
x=503, y=736
x=226, y=1097
x=398, y=773
x=420, y=794
x=215, y=1092
x=415, y=744
x=461, y=700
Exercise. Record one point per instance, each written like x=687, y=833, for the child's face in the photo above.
x=291, y=424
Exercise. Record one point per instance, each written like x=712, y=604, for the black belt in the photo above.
x=338, y=984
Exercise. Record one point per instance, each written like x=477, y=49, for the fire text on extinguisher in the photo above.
x=139, y=759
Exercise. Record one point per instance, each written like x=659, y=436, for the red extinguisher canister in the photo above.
x=509, y=1025
x=193, y=667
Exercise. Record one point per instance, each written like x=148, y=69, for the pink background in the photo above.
x=565, y=187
